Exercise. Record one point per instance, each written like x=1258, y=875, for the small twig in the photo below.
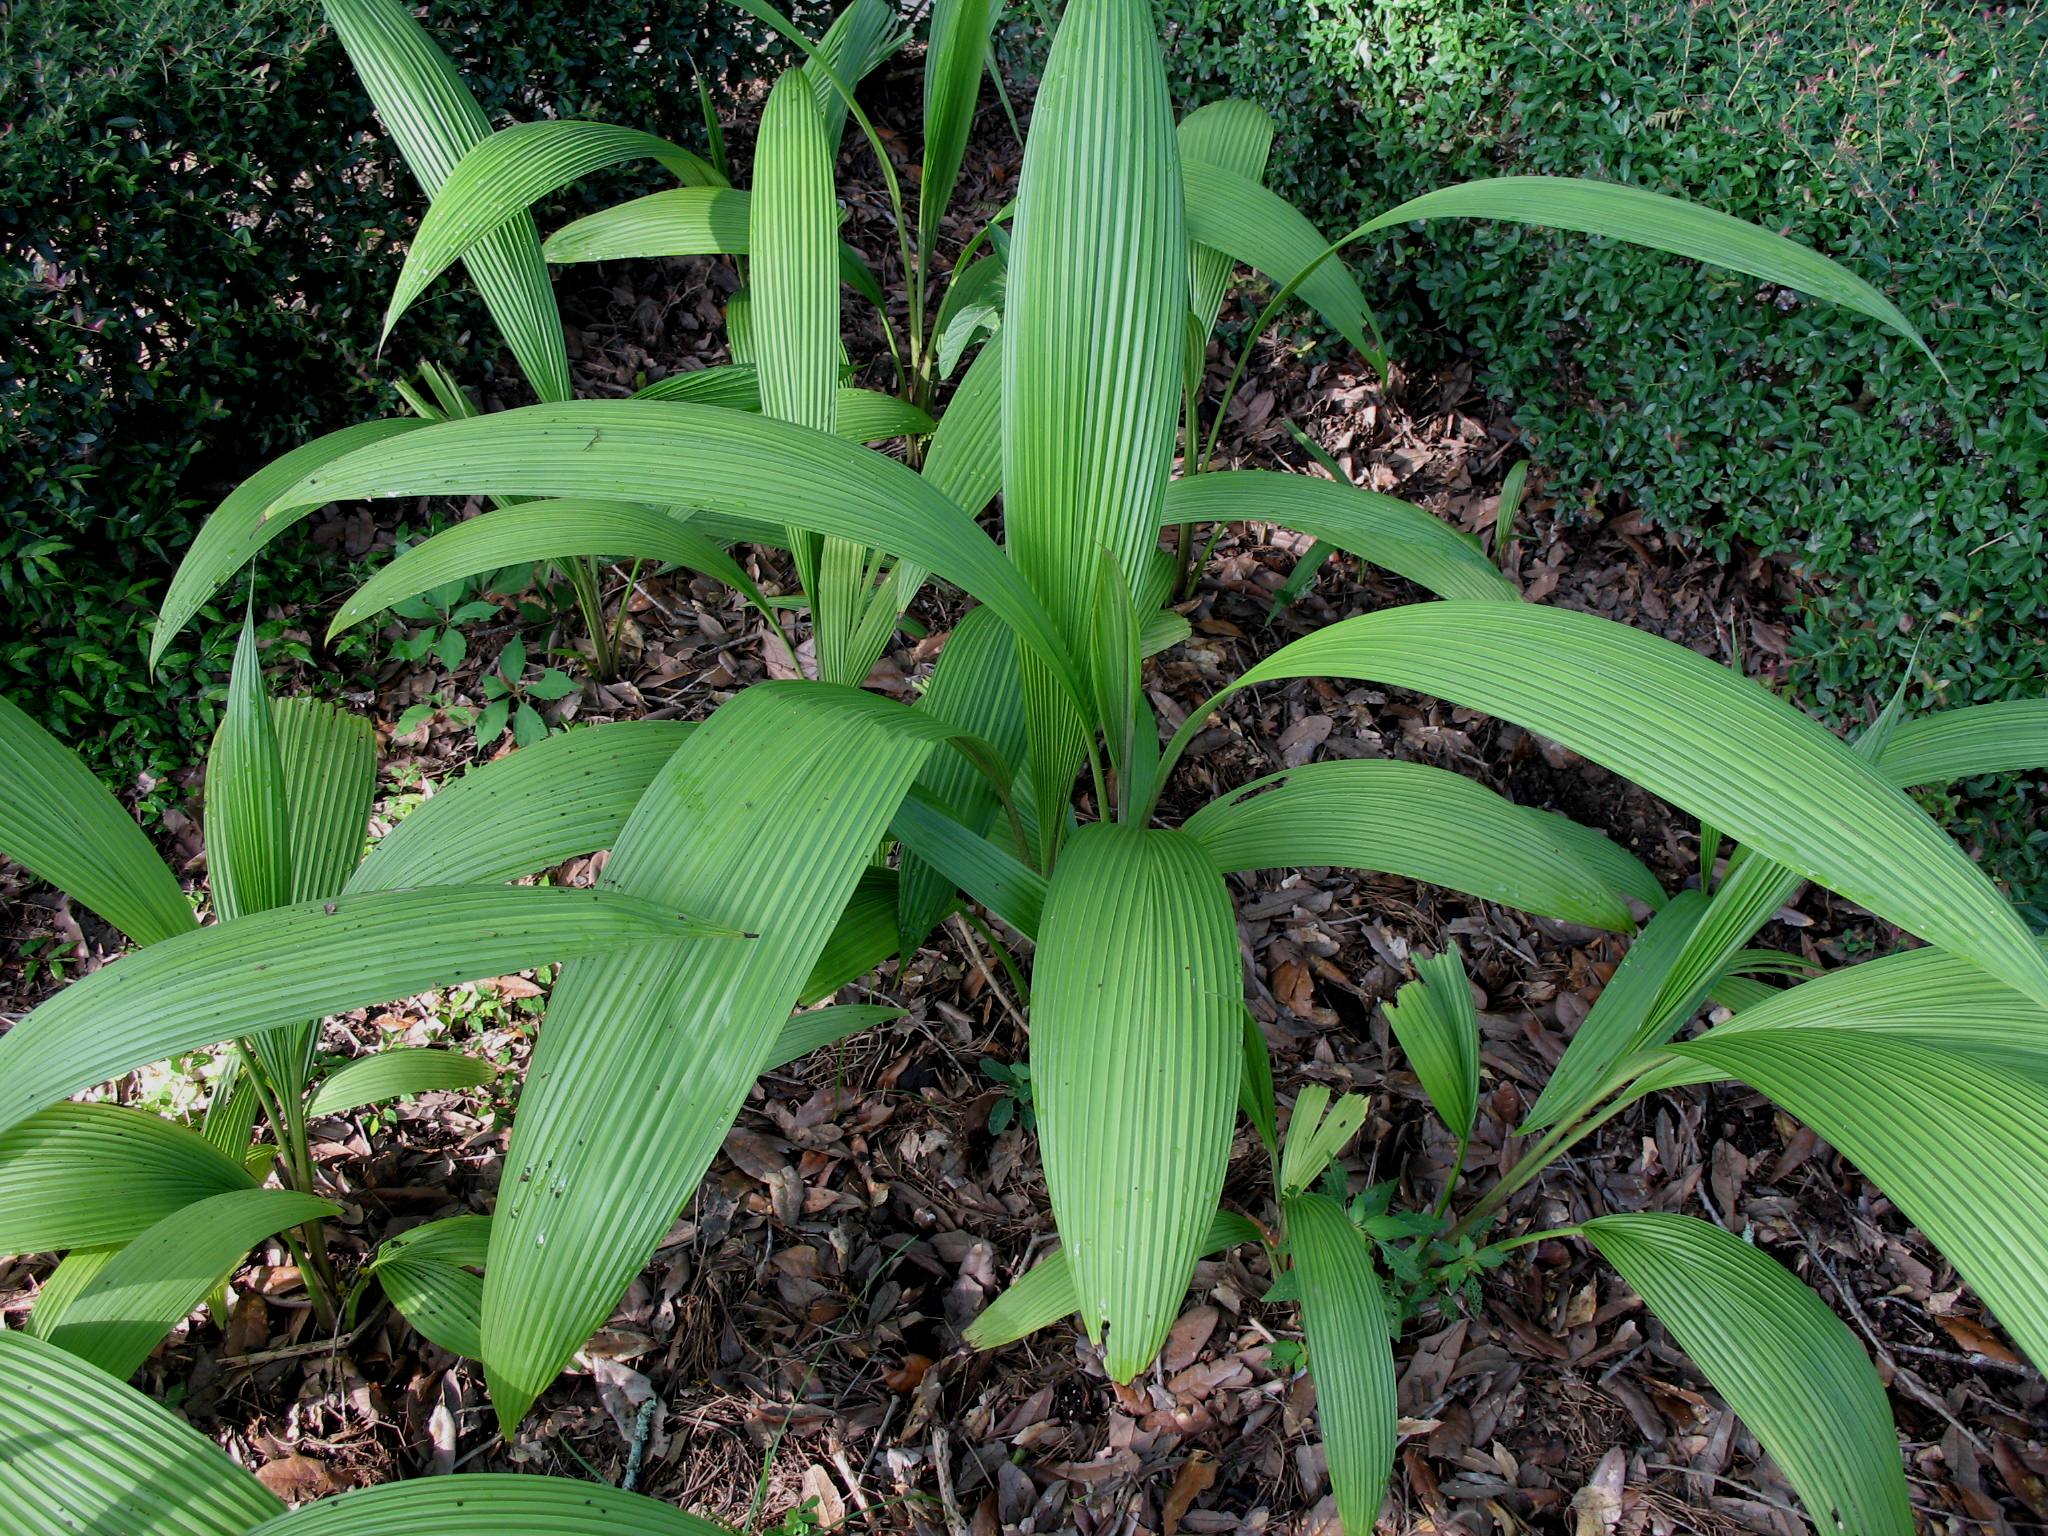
x=638, y=1448
x=1974, y=1361
x=987, y=975
x=942, y=1463
x=293, y=1351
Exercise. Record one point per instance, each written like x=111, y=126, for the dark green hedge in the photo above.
x=197, y=228
x=1904, y=140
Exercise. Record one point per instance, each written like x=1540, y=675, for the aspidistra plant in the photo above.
x=767, y=817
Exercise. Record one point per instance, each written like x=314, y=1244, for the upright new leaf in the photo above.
x=248, y=841
x=1236, y=136
x=952, y=80
x=1350, y=1357
x=1135, y=1054
x=1438, y=1027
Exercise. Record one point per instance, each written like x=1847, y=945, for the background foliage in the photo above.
x=197, y=232
x=1902, y=138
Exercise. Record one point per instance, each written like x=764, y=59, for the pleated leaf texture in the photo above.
x=1135, y=1054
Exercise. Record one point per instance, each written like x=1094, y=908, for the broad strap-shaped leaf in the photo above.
x=248, y=837
x=95, y=1175
x=397, y=1072
x=556, y=529
x=1097, y=291
x=2010, y=736
x=79, y=1451
x=764, y=820
x=669, y=453
x=1625, y=874
x=1236, y=136
x=61, y=824
x=1787, y=1365
x=1616, y=1023
x=237, y=530
x=1232, y=213
x=1406, y=819
x=275, y=969
x=860, y=37
x=1130, y=731
x=1135, y=1057
x=1438, y=1026
x=1045, y=1293
x=964, y=460
x=1662, y=223
x=330, y=775
x=1959, y=1143
x=433, y=1275
x=526, y=811
x=1700, y=736
x=971, y=311
x=498, y=178
x=862, y=939
x=1317, y=1131
x=1395, y=535
x=1928, y=994
x=862, y=415
x=817, y=1028
x=958, y=42
x=434, y=120
x=1350, y=1357
x=682, y=221
x=74, y=1272
x=965, y=860
x=489, y=1504
x=1255, y=1087
x=125, y=1310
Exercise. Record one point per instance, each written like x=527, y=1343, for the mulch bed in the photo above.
x=798, y=1329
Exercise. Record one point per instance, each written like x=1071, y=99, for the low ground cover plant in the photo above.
x=806, y=831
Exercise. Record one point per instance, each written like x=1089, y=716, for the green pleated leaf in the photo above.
x=674, y=454
x=79, y=1451
x=396, y=1073
x=74, y=1272
x=733, y=385
x=489, y=1504
x=862, y=415
x=860, y=37
x=1115, y=667
x=1097, y=288
x=1135, y=1057
x=971, y=311
x=330, y=775
x=1411, y=820
x=432, y=1274
x=236, y=530
x=1959, y=1143
x=966, y=860
x=1700, y=736
x=862, y=938
x=248, y=839
x=1617, y=1023
x=1316, y=1132
x=498, y=178
x=124, y=1311
x=975, y=687
x=683, y=221
x=793, y=235
x=764, y=819
x=96, y=1175
x=434, y=121
x=1232, y=213
x=555, y=529
x=1395, y=535
x=820, y=1027
x=526, y=811
x=1663, y=224
x=1045, y=1293
x=2007, y=737
x=1349, y=1356
x=869, y=416
x=1787, y=1365
x=271, y=970
x=964, y=460
x=1236, y=136
x=63, y=825
x=958, y=42
x=1434, y=1019
x=1625, y=874
x=1255, y=1087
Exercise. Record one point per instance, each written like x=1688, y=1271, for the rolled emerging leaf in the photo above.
x=1786, y=1364
x=233, y=979
x=63, y=825
x=952, y=80
x=142, y=1292
x=489, y=1504
x=79, y=1451
x=248, y=842
x=1350, y=1357
x=1135, y=1055
x=1697, y=734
